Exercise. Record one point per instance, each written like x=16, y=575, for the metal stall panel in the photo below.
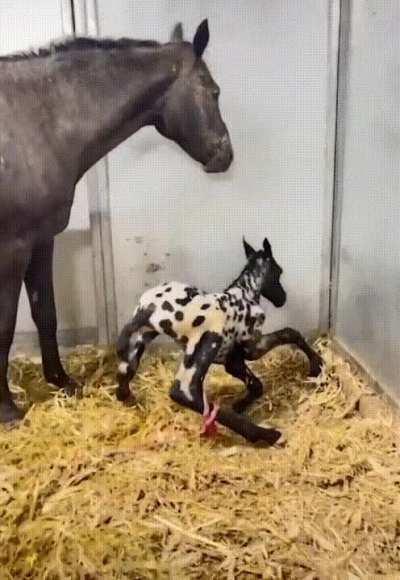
x=274, y=63
x=23, y=25
x=367, y=310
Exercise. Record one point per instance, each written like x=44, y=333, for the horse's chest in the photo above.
x=44, y=214
x=36, y=192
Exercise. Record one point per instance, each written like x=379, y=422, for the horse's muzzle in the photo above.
x=222, y=158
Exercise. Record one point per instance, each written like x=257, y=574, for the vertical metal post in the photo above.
x=333, y=34
x=67, y=17
x=343, y=68
x=86, y=23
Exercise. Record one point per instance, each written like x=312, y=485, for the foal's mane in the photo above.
x=79, y=43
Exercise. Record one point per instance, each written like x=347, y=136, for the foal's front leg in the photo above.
x=40, y=289
x=257, y=348
x=187, y=390
x=235, y=365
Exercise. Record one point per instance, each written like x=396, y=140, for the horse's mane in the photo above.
x=80, y=43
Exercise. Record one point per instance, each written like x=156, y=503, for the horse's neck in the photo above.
x=108, y=97
x=246, y=286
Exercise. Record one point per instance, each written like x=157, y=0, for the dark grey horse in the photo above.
x=61, y=110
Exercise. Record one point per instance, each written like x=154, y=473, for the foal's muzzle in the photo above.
x=278, y=299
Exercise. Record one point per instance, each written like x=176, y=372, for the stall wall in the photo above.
x=25, y=25
x=367, y=320
x=172, y=221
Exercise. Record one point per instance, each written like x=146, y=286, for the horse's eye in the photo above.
x=215, y=93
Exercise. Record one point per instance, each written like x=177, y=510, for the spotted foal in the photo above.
x=222, y=328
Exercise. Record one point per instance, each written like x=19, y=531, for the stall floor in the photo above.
x=91, y=489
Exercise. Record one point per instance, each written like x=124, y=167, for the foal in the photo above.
x=222, y=328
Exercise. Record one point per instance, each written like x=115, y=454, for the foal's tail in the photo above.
x=141, y=318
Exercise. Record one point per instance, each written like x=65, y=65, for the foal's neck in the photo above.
x=248, y=284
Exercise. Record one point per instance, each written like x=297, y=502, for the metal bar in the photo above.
x=99, y=209
x=333, y=31
x=67, y=17
x=343, y=68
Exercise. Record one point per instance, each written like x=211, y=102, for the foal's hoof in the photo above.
x=240, y=407
x=126, y=397
x=130, y=401
x=9, y=412
x=316, y=365
x=268, y=437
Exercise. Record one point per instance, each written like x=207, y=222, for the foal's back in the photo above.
x=183, y=312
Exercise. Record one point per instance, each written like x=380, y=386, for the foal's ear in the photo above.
x=201, y=39
x=177, y=33
x=249, y=251
x=267, y=248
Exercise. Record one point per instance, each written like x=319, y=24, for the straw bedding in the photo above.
x=92, y=490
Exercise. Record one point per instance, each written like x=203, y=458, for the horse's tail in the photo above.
x=140, y=318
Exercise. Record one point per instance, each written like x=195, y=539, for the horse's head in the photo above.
x=268, y=271
x=189, y=113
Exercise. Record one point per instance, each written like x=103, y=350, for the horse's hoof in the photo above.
x=9, y=412
x=316, y=365
x=70, y=387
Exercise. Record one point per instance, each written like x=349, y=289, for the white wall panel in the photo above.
x=272, y=62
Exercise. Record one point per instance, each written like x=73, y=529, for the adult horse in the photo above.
x=61, y=110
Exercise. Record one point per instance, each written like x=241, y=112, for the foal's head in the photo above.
x=189, y=113
x=263, y=266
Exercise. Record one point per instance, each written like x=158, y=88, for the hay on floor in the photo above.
x=90, y=489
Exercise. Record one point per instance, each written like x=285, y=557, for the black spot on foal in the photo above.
x=167, y=327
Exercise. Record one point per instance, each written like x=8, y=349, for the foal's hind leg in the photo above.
x=39, y=286
x=130, y=357
x=187, y=390
x=235, y=365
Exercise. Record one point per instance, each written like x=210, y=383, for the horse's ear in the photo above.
x=201, y=39
x=249, y=251
x=177, y=33
x=267, y=248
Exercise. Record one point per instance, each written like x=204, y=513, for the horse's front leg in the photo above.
x=40, y=289
x=262, y=344
x=14, y=257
